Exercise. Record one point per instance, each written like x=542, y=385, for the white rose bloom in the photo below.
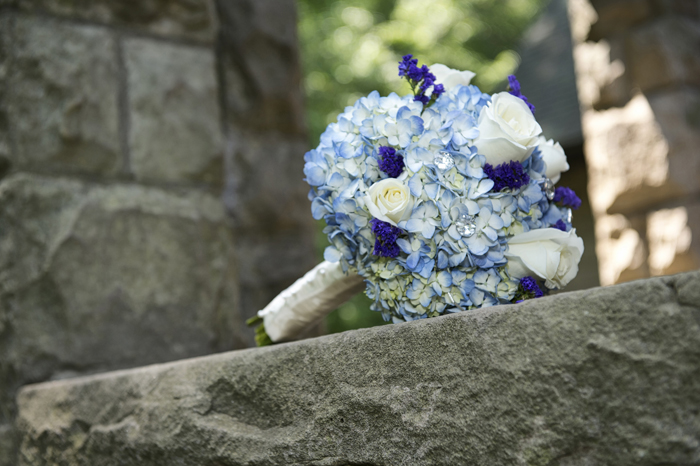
x=554, y=157
x=389, y=200
x=507, y=130
x=450, y=78
x=547, y=253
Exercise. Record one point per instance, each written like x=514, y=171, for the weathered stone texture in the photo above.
x=185, y=19
x=60, y=97
x=597, y=377
x=265, y=142
x=260, y=65
x=275, y=230
x=175, y=125
x=102, y=277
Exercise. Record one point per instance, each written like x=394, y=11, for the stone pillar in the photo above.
x=638, y=73
x=124, y=126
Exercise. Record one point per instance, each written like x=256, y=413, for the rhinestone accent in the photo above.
x=548, y=188
x=465, y=225
x=444, y=161
x=567, y=215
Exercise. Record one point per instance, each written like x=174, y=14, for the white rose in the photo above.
x=450, y=78
x=507, y=130
x=547, y=253
x=389, y=200
x=554, y=157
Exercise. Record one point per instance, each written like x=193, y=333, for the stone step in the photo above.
x=597, y=377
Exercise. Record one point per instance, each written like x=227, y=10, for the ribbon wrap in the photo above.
x=308, y=300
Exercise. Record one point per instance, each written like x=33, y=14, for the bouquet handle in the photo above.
x=307, y=301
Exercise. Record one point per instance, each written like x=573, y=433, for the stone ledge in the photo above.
x=602, y=376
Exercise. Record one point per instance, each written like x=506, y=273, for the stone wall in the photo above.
x=607, y=376
x=151, y=193
x=638, y=70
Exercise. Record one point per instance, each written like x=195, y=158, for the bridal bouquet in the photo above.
x=436, y=202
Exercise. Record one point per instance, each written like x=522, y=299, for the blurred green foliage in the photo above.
x=352, y=47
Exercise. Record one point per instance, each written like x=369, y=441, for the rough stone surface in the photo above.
x=597, y=377
x=260, y=65
x=94, y=278
x=181, y=19
x=175, y=125
x=266, y=196
x=265, y=144
x=60, y=99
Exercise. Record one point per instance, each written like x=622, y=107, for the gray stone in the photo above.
x=266, y=140
x=60, y=102
x=266, y=196
x=664, y=53
x=607, y=376
x=260, y=63
x=94, y=278
x=617, y=16
x=182, y=19
x=175, y=126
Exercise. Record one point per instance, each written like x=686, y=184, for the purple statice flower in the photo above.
x=408, y=65
x=507, y=175
x=530, y=287
x=566, y=197
x=390, y=162
x=420, y=79
x=560, y=225
x=514, y=89
x=387, y=234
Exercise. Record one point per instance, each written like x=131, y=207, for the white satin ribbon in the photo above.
x=308, y=300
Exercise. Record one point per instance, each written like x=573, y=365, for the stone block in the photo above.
x=664, y=53
x=182, y=19
x=643, y=153
x=617, y=16
x=600, y=68
x=260, y=65
x=175, y=130
x=95, y=277
x=60, y=99
x=267, y=198
x=599, y=377
x=677, y=114
x=670, y=235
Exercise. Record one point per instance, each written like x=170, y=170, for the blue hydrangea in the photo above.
x=447, y=253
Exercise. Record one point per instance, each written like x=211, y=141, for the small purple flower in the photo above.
x=387, y=234
x=390, y=162
x=407, y=65
x=514, y=89
x=566, y=197
x=530, y=287
x=560, y=225
x=420, y=79
x=507, y=175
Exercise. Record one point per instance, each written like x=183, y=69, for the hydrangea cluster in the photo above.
x=442, y=207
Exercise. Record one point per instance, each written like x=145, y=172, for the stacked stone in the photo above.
x=150, y=155
x=638, y=68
